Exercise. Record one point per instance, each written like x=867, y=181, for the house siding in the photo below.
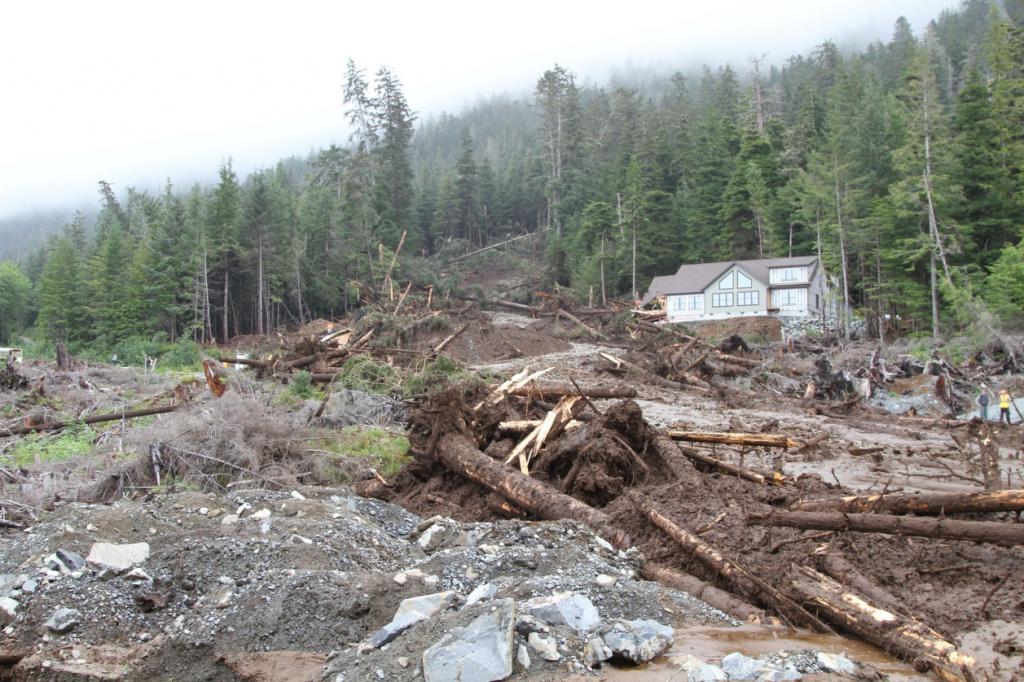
x=760, y=308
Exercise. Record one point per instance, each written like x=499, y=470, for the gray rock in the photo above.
x=595, y=652
x=106, y=556
x=63, y=620
x=484, y=592
x=479, y=652
x=705, y=672
x=8, y=610
x=546, y=647
x=740, y=667
x=433, y=537
x=836, y=663
x=523, y=657
x=10, y=581
x=788, y=675
x=410, y=612
x=72, y=560
x=29, y=586
x=638, y=641
x=604, y=580
x=525, y=624
x=565, y=608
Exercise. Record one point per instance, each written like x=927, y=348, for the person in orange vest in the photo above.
x=1004, y=406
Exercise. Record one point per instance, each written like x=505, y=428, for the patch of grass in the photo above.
x=441, y=370
x=391, y=450
x=39, y=448
x=363, y=373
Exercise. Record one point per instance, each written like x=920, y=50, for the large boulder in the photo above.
x=410, y=612
x=638, y=641
x=478, y=652
x=106, y=556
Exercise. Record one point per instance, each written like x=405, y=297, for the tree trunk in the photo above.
x=770, y=440
x=919, y=503
x=695, y=587
x=837, y=567
x=259, y=292
x=456, y=452
x=740, y=578
x=227, y=276
x=604, y=297
x=899, y=635
x=548, y=391
x=996, y=533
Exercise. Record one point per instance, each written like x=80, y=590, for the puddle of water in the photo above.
x=711, y=644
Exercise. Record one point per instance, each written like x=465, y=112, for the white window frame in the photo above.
x=730, y=278
x=716, y=298
x=740, y=276
x=748, y=298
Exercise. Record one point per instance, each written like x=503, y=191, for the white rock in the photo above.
x=546, y=647
x=402, y=661
x=606, y=580
x=8, y=610
x=410, y=612
x=297, y=495
x=204, y=511
x=478, y=652
x=117, y=558
x=836, y=663
x=138, y=574
x=638, y=641
x=297, y=539
x=229, y=520
x=401, y=578
x=29, y=586
x=603, y=544
x=523, y=657
x=261, y=514
x=565, y=608
x=484, y=592
x=740, y=667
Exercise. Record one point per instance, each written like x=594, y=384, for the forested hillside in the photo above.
x=903, y=164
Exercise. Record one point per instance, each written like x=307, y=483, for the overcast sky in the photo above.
x=132, y=92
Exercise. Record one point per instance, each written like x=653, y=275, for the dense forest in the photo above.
x=902, y=165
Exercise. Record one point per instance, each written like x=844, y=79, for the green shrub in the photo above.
x=184, y=354
x=39, y=448
x=301, y=387
x=363, y=373
x=391, y=450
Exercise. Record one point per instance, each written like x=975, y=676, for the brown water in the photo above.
x=710, y=644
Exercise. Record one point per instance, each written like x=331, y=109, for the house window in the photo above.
x=678, y=303
x=721, y=300
x=726, y=282
x=742, y=281
x=697, y=302
x=687, y=302
x=787, y=297
x=748, y=298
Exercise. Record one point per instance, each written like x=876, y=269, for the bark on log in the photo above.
x=838, y=568
x=749, y=363
x=900, y=635
x=694, y=586
x=919, y=503
x=546, y=391
x=590, y=330
x=96, y=419
x=1002, y=534
x=759, y=439
x=451, y=337
x=774, y=478
x=458, y=453
x=740, y=578
x=248, y=362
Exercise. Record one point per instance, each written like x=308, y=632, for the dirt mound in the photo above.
x=484, y=341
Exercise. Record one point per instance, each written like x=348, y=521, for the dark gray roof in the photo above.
x=695, y=278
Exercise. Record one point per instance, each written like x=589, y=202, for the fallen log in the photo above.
x=458, y=453
x=695, y=587
x=919, y=503
x=448, y=339
x=837, y=567
x=248, y=362
x=898, y=634
x=756, y=439
x=525, y=425
x=774, y=478
x=544, y=391
x=590, y=330
x=95, y=419
x=692, y=382
x=492, y=246
x=749, y=363
x=738, y=577
x=996, y=533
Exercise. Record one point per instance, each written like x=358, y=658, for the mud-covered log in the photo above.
x=837, y=567
x=248, y=362
x=95, y=419
x=738, y=577
x=546, y=391
x=773, y=478
x=898, y=634
x=459, y=454
x=694, y=586
x=996, y=533
x=919, y=503
x=755, y=439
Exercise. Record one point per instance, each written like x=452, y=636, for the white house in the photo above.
x=769, y=286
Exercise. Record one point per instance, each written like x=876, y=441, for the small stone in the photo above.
x=596, y=652
x=379, y=674
x=221, y=597
x=229, y=520
x=401, y=578
x=137, y=574
x=525, y=624
x=8, y=610
x=546, y=647
x=606, y=580
x=242, y=508
x=297, y=539
x=10, y=581
x=29, y=586
x=62, y=621
x=431, y=580
x=471, y=574
x=836, y=663
x=117, y=558
x=204, y=511
x=740, y=667
x=91, y=528
x=214, y=513
x=432, y=538
x=484, y=592
x=297, y=495
x=261, y=514
x=72, y=560
x=523, y=657
x=226, y=580
x=603, y=544
x=403, y=661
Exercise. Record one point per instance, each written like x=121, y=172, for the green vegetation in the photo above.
x=40, y=448
x=898, y=162
x=389, y=449
x=300, y=387
x=363, y=373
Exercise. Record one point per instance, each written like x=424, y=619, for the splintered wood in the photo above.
x=550, y=426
